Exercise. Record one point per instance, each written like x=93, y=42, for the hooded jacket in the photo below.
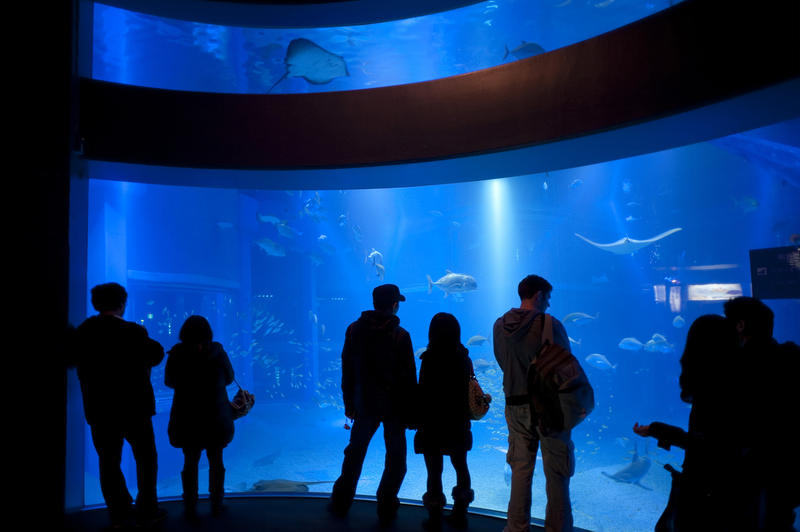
x=379, y=376
x=517, y=337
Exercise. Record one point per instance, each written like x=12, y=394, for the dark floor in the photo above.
x=273, y=513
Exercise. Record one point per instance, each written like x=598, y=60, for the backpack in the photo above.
x=560, y=393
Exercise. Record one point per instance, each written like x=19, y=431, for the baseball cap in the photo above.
x=386, y=295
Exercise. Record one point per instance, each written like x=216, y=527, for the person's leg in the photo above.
x=107, y=442
x=140, y=436
x=558, y=460
x=344, y=489
x=462, y=492
x=216, y=479
x=523, y=444
x=433, y=499
x=191, y=458
x=394, y=469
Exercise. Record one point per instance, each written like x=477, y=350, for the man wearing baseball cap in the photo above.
x=379, y=379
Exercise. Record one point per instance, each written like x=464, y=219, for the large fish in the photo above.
x=453, y=283
x=633, y=472
x=627, y=245
x=307, y=60
x=600, y=362
x=630, y=344
x=281, y=484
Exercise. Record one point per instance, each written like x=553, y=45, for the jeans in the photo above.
x=394, y=435
x=558, y=460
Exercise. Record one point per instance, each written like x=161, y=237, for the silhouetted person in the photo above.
x=379, y=381
x=517, y=340
x=444, y=419
x=771, y=415
x=201, y=416
x=712, y=492
x=114, y=358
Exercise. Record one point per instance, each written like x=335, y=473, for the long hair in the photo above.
x=444, y=331
x=711, y=345
x=196, y=330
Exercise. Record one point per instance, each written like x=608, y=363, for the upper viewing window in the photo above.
x=151, y=51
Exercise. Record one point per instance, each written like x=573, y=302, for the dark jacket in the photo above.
x=379, y=376
x=114, y=358
x=517, y=339
x=201, y=415
x=444, y=421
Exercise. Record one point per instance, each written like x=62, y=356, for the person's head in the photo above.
x=444, y=330
x=751, y=317
x=196, y=331
x=386, y=298
x=711, y=343
x=534, y=293
x=109, y=298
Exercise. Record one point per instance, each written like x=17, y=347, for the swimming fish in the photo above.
x=307, y=60
x=375, y=256
x=453, y=283
x=630, y=344
x=633, y=472
x=627, y=245
x=476, y=340
x=599, y=361
x=287, y=231
x=284, y=485
x=678, y=322
x=267, y=219
x=525, y=49
x=578, y=318
x=380, y=271
x=271, y=248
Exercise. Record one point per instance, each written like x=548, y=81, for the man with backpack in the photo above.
x=518, y=340
x=379, y=380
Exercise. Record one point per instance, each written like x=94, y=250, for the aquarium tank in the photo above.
x=635, y=248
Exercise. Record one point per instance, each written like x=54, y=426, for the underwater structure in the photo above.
x=266, y=166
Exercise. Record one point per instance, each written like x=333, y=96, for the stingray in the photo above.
x=307, y=60
x=633, y=472
x=280, y=484
x=627, y=245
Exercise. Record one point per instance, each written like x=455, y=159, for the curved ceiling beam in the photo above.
x=653, y=72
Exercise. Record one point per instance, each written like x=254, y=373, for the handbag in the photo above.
x=242, y=402
x=478, y=401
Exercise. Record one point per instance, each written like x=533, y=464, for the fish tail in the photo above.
x=506, y=54
x=430, y=283
x=279, y=80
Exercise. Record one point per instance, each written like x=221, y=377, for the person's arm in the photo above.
x=667, y=435
x=227, y=368
x=152, y=351
x=348, y=375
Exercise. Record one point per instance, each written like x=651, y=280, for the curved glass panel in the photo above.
x=150, y=51
x=280, y=275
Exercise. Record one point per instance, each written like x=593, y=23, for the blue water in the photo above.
x=146, y=50
x=280, y=306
